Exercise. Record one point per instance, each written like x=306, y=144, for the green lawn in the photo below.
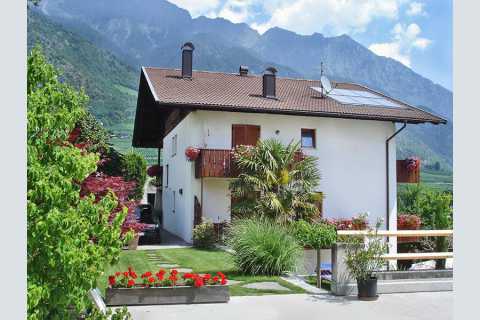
x=201, y=261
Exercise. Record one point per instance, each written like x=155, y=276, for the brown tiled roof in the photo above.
x=232, y=92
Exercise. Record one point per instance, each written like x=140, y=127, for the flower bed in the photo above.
x=166, y=288
x=408, y=222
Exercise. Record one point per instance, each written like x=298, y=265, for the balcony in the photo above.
x=216, y=163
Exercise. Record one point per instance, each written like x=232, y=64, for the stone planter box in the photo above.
x=166, y=295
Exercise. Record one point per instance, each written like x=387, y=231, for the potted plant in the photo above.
x=315, y=236
x=165, y=287
x=192, y=153
x=362, y=260
x=154, y=170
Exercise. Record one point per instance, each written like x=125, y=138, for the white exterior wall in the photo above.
x=351, y=158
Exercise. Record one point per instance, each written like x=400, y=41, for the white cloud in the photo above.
x=332, y=17
x=329, y=16
x=416, y=9
x=405, y=39
x=198, y=7
x=235, y=10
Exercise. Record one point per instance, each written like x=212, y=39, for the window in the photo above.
x=166, y=176
x=308, y=138
x=174, y=145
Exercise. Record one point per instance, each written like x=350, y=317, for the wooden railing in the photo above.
x=405, y=233
x=219, y=163
x=214, y=163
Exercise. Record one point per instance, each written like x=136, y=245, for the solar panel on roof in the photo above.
x=359, y=97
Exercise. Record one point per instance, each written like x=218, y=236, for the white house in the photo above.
x=349, y=127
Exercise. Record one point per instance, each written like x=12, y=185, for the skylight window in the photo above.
x=358, y=97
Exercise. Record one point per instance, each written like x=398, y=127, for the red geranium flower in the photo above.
x=224, y=281
x=111, y=280
x=125, y=274
x=118, y=273
x=215, y=279
x=198, y=283
x=151, y=279
x=131, y=283
x=187, y=276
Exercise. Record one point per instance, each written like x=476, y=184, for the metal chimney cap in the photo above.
x=188, y=46
x=271, y=70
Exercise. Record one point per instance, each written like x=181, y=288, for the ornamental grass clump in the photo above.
x=263, y=246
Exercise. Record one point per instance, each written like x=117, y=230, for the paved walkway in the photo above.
x=408, y=306
x=169, y=241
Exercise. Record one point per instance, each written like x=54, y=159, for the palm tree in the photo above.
x=275, y=180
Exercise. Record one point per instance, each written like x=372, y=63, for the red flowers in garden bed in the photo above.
x=163, y=278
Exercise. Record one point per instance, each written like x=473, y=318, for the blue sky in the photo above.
x=418, y=33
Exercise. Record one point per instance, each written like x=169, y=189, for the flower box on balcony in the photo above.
x=167, y=295
x=408, y=171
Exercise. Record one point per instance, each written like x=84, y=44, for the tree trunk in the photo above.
x=319, y=270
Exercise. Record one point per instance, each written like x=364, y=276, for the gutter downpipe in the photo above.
x=388, y=177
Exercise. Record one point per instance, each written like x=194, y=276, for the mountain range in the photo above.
x=122, y=35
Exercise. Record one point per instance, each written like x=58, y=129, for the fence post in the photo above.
x=340, y=275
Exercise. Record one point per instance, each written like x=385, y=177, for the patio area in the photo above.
x=418, y=306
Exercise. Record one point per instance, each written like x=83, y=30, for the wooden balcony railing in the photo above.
x=219, y=163
x=214, y=163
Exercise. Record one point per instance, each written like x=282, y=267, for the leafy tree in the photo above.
x=275, y=180
x=316, y=236
x=70, y=238
x=134, y=168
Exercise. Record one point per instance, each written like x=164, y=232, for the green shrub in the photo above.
x=204, y=235
x=134, y=168
x=263, y=246
x=314, y=235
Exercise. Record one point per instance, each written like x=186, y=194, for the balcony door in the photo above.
x=245, y=134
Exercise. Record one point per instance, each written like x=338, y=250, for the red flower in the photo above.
x=118, y=273
x=131, y=283
x=111, y=280
x=187, y=276
x=220, y=274
x=151, y=279
x=215, y=279
x=173, y=271
x=160, y=275
x=198, y=283
x=125, y=274
x=224, y=281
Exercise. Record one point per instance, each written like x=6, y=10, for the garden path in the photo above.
x=408, y=306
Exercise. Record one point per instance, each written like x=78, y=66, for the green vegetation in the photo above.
x=204, y=235
x=63, y=261
x=263, y=246
x=134, y=168
x=200, y=261
x=276, y=181
x=435, y=209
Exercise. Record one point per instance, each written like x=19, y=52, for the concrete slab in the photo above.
x=267, y=285
x=299, y=282
x=410, y=306
x=168, y=265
